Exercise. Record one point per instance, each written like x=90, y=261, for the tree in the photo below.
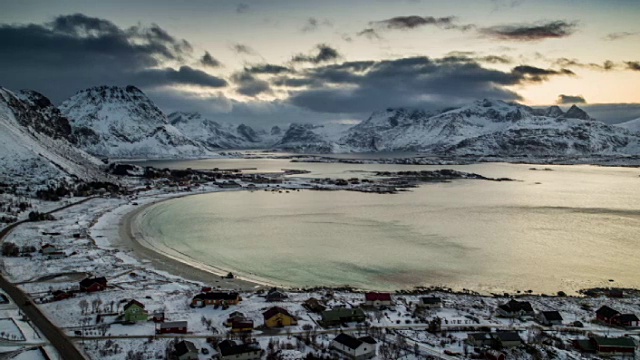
x=84, y=305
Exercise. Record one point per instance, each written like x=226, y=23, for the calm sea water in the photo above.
x=566, y=229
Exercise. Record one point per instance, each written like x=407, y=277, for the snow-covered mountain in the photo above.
x=631, y=125
x=118, y=122
x=311, y=138
x=36, y=143
x=489, y=127
x=215, y=135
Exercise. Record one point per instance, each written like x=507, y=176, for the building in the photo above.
x=228, y=184
x=278, y=317
x=157, y=316
x=173, y=327
x=216, y=298
x=185, y=350
x=314, y=305
x=230, y=350
x=496, y=340
x=241, y=325
x=515, y=308
x=340, y=316
x=506, y=339
x=611, y=316
x=431, y=302
x=377, y=300
x=549, y=318
x=93, y=284
x=606, y=314
x=134, y=312
x=480, y=339
x=61, y=295
x=276, y=295
x=606, y=346
x=355, y=348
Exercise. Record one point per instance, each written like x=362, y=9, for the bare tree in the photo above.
x=84, y=305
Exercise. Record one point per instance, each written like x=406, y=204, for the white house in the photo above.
x=355, y=348
x=431, y=302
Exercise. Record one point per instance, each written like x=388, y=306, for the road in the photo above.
x=57, y=338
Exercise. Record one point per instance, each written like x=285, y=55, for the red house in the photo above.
x=93, y=284
x=377, y=299
x=606, y=314
x=173, y=327
x=61, y=295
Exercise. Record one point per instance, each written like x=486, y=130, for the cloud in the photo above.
x=621, y=35
x=633, y=65
x=185, y=75
x=324, y=53
x=536, y=74
x=473, y=56
x=76, y=51
x=249, y=85
x=243, y=49
x=570, y=99
x=531, y=32
x=506, y=4
x=370, y=34
x=267, y=69
x=495, y=59
x=565, y=62
x=413, y=21
x=209, y=61
x=242, y=8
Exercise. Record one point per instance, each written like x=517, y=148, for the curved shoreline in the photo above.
x=173, y=265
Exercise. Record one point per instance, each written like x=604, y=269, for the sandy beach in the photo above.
x=164, y=262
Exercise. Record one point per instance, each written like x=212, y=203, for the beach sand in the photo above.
x=162, y=262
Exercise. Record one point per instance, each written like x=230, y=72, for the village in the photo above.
x=115, y=304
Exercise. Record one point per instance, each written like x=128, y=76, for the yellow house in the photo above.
x=278, y=317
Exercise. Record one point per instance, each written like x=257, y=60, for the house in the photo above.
x=480, y=339
x=606, y=346
x=216, y=298
x=497, y=340
x=56, y=255
x=515, y=308
x=355, y=348
x=230, y=350
x=278, y=317
x=314, y=305
x=606, y=314
x=241, y=325
x=340, y=316
x=61, y=295
x=47, y=249
x=134, y=312
x=228, y=184
x=611, y=316
x=93, y=284
x=626, y=320
x=276, y=295
x=185, y=350
x=173, y=327
x=506, y=339
x=377, y=300
x=157, y=316
x=549, y=318
x=234, y=315
x=431, y=302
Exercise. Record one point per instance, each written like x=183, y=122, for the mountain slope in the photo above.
x=34, y=149
x=631, y=125
x=214, y=135
x=111, y=121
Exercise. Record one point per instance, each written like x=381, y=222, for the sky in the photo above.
x=332, y=61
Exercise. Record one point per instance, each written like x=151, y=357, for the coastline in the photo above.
x=174, y=266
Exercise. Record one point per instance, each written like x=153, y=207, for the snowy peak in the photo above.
x=553, y=111
x=576, y=113
x=119, y=122
x=303, y=138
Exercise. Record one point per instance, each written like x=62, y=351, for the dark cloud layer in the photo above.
x=183, y=76
x=565, y=62
x=249, y=85
x=414, y=21
x=531, y=32
x=267, y=69
x=77, y=51
x=323, y=53
x=570, y=99
x=414, y=82
x=209, y=61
